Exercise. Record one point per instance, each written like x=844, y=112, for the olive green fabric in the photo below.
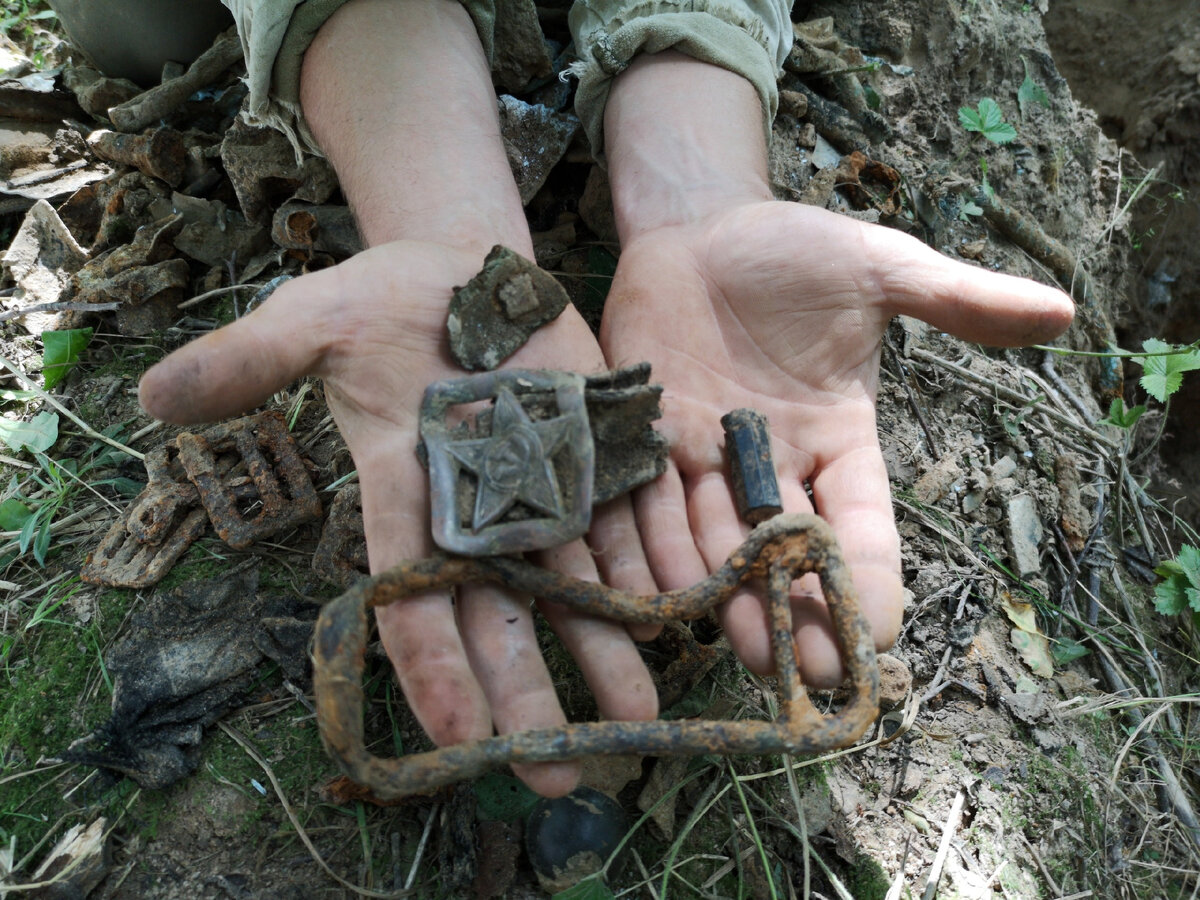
x=749, y=37
x=275, y=34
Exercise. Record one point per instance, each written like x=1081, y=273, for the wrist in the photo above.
x=684, y=141
x=400, y=98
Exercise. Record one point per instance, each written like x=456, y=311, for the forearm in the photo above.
x=400, y=99
x=684, y=139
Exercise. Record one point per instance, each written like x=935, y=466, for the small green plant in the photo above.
x=1163, y=367
x=61, y=351
x=31, y=508
x=988, y=120
x=1030, y=92
x=1179, y=591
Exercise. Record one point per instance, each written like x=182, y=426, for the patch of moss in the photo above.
x=866, y=879
x=52, y=691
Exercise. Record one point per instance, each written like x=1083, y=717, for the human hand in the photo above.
x=782, y=307
x=374, y=329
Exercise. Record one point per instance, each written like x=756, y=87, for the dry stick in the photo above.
x=294, y=819
x=1014, y=396
x=59, y=306
x=156, y=103
x=913, y=400
x=87, y=429
x=935, y=872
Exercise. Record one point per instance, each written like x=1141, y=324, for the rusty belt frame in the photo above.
x=777, y=552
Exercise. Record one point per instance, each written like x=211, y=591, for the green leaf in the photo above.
x=988, y=120
x=1171, y=597
x=969, y=208
x=1189, y=561
x=41, y=543
x=27, y=531
x=1163, y=372
x=62, y=351
x=1120, y=416
x=502, y=798
x=13, y=514
x=591, y=888
x=1030, y=92
x=38, y=435
x=1067, y=650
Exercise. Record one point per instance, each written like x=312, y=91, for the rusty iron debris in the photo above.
x=341, y=555
x=160, y=153
x=776, y=552
x=494, y=313
x=201, y=478
x=155, y=531
x=525, y=484
x=751, y=469
x=284, y=494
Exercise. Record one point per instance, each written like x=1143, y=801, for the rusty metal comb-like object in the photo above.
x=283, y=488
x=776, y=552
x=154, y=532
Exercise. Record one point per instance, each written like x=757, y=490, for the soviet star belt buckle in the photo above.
x=521, y=478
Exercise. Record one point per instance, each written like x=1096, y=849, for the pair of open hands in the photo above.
x=775, y=306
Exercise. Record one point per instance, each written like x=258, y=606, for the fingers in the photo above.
x=500, y=642
x=967, y=301
x=853, y=496
x=602, y=648
x=620, y=559
x=239, y=366
x=420, y=634
x=720, y=532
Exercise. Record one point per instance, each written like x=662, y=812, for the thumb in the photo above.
x=967, y=301
x=239, y=366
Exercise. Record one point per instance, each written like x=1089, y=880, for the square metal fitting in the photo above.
x=516, y=481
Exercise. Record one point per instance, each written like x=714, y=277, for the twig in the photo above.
x=1177, y=800
x=87, y=429
x=412, y=872
x=913, y=400
x=294, y=819
x=1063, y=388
x=1037, y=858
x=951, y=826
x=156, y=103
x=60, y=306
x=215, y=292
x=1014, y=396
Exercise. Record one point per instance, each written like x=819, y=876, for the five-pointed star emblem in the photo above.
x=514, y=463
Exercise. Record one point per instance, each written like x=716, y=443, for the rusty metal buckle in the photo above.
x=777, y=552
x=281, y=485
x=154, y=532
x=514, y=483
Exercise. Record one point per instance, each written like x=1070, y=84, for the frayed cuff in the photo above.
x=728, y=35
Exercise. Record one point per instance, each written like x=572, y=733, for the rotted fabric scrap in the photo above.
x=189, y=658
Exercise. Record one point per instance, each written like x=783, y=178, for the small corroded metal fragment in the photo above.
x=341, y=556
x=495, y=312
x=751, y=468
x=283, y=492
x=776, y=552
x=155, y=531
x=525, y=483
